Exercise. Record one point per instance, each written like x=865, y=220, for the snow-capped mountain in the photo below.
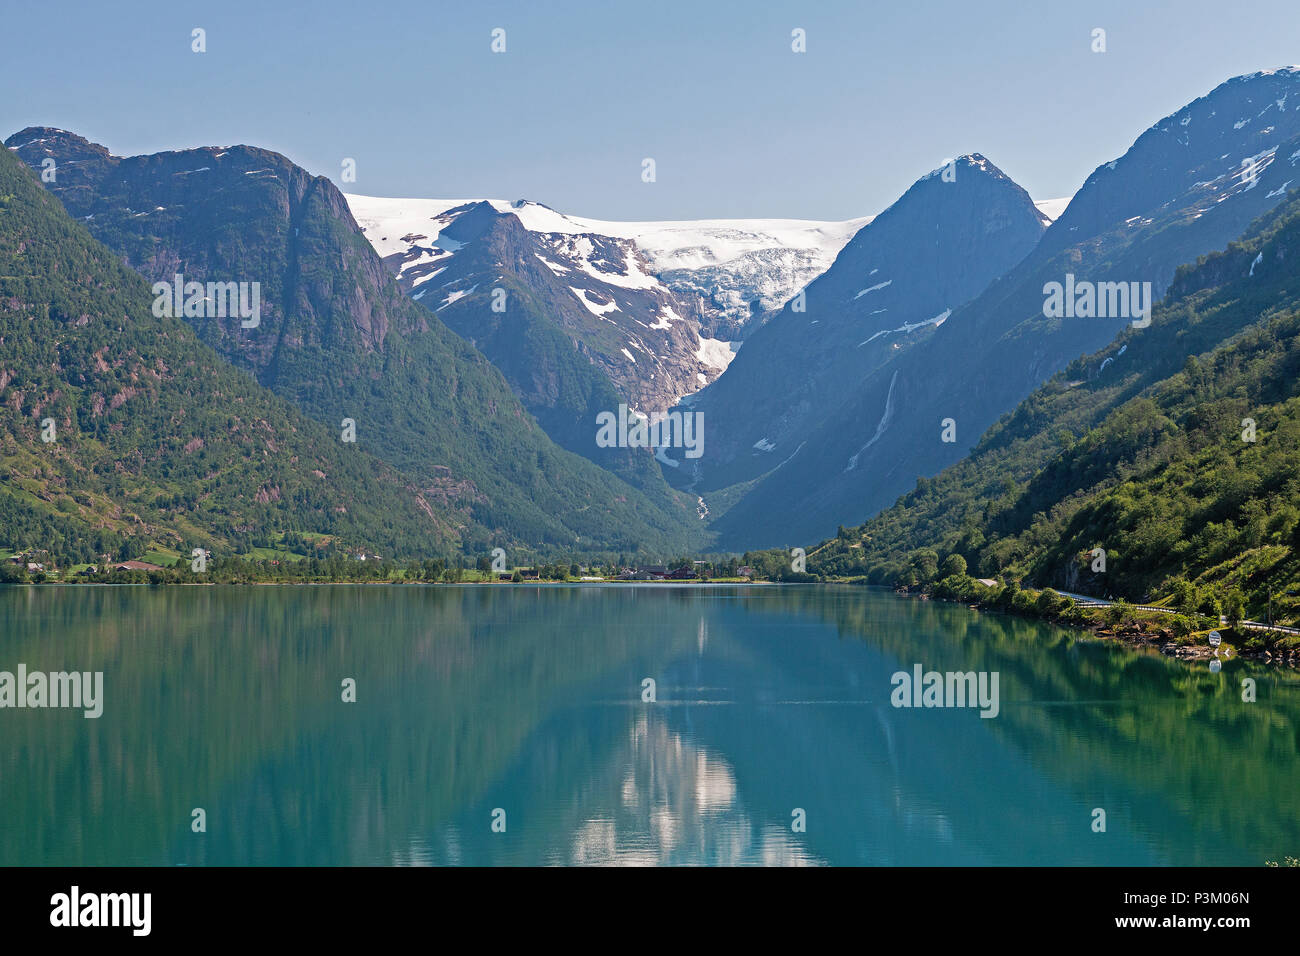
x=653, y=311
x=728, y=270
x=488, y=276
x=582, y=315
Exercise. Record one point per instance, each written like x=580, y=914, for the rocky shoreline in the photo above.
x=1146, y=634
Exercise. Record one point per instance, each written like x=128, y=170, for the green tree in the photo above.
x=1234, y=606
x=925, y=565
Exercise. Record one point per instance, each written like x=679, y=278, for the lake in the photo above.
x=507, y=725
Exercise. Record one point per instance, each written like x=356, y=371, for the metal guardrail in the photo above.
x=1257, y=626
x=1084, y=601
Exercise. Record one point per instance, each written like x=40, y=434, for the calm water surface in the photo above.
x=528, y=700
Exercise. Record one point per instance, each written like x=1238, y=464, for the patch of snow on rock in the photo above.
x=595, y=308
x=715, y=353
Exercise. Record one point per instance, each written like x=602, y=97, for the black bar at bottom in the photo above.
x=335, y=905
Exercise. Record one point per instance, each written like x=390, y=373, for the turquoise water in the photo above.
x=524, y=705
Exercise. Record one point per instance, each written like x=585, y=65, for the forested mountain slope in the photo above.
x=340, y=339
x=1174, y=449
x=154, y=436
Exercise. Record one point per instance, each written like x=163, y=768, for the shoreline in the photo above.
x=1146, y=633
x=388, y=583
x=1135, y=634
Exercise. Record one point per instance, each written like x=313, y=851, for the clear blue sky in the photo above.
x=737, y=124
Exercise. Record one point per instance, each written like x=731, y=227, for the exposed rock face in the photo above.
x=235, y=214
x=606, y=312
x=595, y=289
